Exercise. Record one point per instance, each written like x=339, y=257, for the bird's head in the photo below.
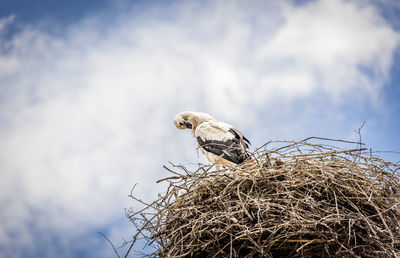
x=182, y=121
x=190, y=119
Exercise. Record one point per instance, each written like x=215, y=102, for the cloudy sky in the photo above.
x=89, y=89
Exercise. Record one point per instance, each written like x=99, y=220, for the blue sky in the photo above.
x=88, y=92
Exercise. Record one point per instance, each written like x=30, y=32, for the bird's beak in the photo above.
x=188, y=125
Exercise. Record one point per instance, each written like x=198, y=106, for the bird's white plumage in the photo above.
x=219, y=141
x=214, y=130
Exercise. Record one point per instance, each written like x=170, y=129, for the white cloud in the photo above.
x=86, y=115
x=335, y=40
x=5, y=21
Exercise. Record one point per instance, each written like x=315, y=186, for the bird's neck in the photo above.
x=197, y=121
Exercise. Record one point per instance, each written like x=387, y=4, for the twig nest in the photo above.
x=295, y=200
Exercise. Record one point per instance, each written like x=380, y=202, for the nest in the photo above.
x=291, y=199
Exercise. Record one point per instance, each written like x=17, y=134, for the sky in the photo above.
x=89, y=90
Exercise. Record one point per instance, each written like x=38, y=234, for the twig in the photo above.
x=108, y=240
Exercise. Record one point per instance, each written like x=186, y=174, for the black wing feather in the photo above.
x=239, y=136
x=229, y=150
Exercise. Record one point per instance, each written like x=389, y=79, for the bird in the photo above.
x=222, y=144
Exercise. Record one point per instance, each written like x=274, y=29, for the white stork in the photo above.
x=220, y=142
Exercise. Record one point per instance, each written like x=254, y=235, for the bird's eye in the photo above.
x=180, y=123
